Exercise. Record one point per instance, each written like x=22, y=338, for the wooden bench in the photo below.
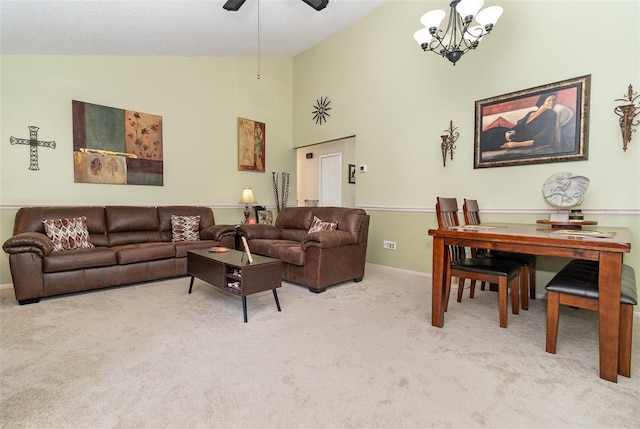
x=576, y=285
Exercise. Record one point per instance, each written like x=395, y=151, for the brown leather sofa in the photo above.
x=319, y=259
x=132, y=244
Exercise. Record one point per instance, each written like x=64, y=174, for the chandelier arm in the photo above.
x=458, y=27
x=466, y=45
x=473, y=39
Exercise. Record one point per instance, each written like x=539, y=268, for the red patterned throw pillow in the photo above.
x=68, y=234
x=319, y=225
x=185, y=228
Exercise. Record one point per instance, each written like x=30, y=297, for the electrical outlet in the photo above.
x=391, y=245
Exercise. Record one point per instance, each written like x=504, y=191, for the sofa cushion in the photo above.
x=131, y=218
x=281, y=247
x=267, y=247
x=295, y=218
x=134, y=237
x=79, y=259
x=256, y=230
x=68, y=233
x=293, y=255
x=29, y=219
x=328, y=239
x=294, y=234
x=185, y=228
x=348, y=219
x=318, y=225
x=144, y=252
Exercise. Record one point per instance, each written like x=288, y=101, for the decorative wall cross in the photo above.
x=33, y=143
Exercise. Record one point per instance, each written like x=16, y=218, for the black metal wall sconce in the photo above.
x=448, y=144
x=627, y=112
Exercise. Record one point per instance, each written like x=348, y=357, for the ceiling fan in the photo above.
x=234, y=5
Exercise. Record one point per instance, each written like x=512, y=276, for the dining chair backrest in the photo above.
x=471, y=212
x=447, y=214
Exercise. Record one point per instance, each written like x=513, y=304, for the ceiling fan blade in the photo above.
x=317, y=4
x=234, y=5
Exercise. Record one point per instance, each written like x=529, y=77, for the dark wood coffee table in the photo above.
x=232, y=267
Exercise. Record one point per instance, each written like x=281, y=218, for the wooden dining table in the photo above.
x=543, y=240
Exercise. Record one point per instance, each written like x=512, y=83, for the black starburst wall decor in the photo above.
x=321, y=110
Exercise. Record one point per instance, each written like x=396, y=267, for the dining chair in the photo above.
x=527, y=262
x=502, y=272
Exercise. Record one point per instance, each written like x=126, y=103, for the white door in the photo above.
x=331, y=180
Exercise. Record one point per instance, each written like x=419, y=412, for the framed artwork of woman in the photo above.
x=548, y=123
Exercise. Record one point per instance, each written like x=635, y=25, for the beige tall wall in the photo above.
x=200, y=100
x=394, y=98
x=397, y=101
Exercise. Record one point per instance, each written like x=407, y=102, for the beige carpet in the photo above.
x=361, y=355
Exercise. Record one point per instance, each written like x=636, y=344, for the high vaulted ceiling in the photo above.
x=171, y=27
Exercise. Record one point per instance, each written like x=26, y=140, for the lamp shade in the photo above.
x=422, y=36
x=247, y=196
x=489, y=15
x=432, y=18
x=469, y=7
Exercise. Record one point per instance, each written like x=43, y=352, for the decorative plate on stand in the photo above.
x=563, y=191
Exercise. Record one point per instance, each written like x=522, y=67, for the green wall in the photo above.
x=398, y=100
x=200, y=100
x=383, y=89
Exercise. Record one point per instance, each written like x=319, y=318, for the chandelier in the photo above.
x=459, y=36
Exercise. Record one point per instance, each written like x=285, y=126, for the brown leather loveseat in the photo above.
x=130, y=244
x=318, y=259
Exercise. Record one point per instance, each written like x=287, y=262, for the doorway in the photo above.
x=308, y=171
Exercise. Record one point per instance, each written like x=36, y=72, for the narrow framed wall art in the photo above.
x=251, y=145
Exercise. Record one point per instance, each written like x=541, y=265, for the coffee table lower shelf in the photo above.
x=221, y=269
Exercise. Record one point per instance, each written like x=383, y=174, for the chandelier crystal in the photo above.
x=459, y=36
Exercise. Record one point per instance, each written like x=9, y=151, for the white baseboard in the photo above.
x=400, y=270
x=387, y=268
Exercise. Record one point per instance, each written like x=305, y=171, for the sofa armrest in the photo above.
x=258, y=230
x=26, y=242
x=217, y=232
x=328, y=239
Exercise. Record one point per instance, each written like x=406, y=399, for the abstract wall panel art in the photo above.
x=252, y=142
x=116, y=146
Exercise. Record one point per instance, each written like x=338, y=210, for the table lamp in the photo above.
x=246, y=199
